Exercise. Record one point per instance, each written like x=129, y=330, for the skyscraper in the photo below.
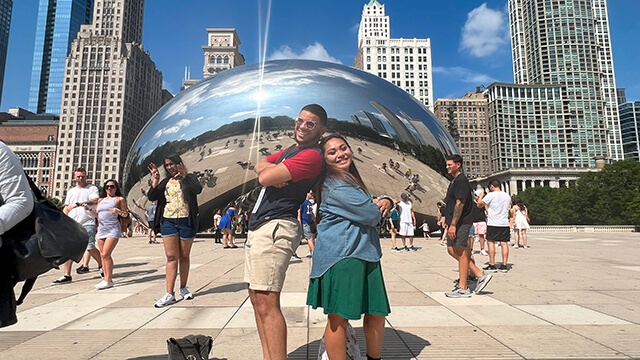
x=58, y=24
x=630, y=126
x=222, y=52
x=111, y=88
x=567, y=42
x=466, y=121
x=5, y=25
x=404, y=62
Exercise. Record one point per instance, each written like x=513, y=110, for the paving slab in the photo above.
x=564, y=298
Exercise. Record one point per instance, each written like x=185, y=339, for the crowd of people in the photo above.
x=312, y=192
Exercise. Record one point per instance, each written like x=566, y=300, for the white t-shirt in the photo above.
x=216, y=219
x=405, y=212
x=81, y=195
x=497, y=208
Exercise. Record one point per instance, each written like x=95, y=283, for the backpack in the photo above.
x=44, y=240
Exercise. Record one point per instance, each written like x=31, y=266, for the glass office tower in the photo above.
x=5, y=24
x=58, y=24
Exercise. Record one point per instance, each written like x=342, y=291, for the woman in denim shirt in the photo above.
x=346, y=277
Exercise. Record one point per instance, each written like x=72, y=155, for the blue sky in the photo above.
x=469, y=39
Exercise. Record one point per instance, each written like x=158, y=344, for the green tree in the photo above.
x=550, y=206
x=604, y=197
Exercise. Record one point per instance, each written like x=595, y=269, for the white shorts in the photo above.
x=406, y=229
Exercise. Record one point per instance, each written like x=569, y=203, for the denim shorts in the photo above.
x=91, y=230
x=179, y=226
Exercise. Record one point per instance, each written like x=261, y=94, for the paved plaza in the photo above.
x=572, y=295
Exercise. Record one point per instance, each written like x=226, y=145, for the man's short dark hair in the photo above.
x=318, y=111
x=455, y=158
x=495, y=183
x=80, y=169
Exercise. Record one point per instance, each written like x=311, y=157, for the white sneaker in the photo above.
x=309, y=254
x=515, y=246
x=104, y=285
x=167, y=299
x=185, y=294
x=484, y=252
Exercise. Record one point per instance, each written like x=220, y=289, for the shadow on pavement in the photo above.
x=397, y=345
x=224, y=288
x=164, y=357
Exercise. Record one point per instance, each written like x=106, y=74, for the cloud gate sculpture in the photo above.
x=213, y=127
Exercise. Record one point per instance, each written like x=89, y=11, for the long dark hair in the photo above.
x=103, y=193
x=175, y=158
x=520, y=204
x=351, y=176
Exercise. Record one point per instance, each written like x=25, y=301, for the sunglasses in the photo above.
x=307, y=123
x=109, y=186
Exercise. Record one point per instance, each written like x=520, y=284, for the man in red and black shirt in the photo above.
x=274, y=230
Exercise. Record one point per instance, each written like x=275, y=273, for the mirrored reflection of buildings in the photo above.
x=222, y=52
x=405, y=63
x=33, y=139
x=467, y=121
x=57, y=26
x=630, y=127
x=6, y=7
x=398, y=145
x=111, y=89
x=562, y=110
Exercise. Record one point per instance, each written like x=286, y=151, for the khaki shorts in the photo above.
x=268, y=251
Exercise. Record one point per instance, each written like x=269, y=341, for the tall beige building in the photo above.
x=222, y=52
x=404, y=62
x=111, y=89
x=567, y=43
x=466, y=119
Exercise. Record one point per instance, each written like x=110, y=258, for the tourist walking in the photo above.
x=80, y=200
x=226, y=225
x=216, y=225
x=459, y=219
x=521, y=223
x=497, y=205
x=346, y=276
x=111, y=206
x=178, y=217
x=407, y=222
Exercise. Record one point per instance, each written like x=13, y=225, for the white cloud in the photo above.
x=464, y=75
x=311, y=52
x=172, y=129
x=484, y=32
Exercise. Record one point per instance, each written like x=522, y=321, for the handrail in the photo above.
x=583, y=228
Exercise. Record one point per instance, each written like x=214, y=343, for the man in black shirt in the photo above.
x=459, y=218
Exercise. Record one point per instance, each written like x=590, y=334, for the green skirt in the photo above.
x=350, y=288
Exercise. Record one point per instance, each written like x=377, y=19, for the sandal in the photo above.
x=233, y=247
x=226, y=247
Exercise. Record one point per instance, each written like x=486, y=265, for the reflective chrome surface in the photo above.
x=210, y=125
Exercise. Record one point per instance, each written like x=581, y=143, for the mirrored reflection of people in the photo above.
x=226, y=225
x=521, y=223
x=346, y=277
x=274, y=230
x=110, y=206
x=80, y=200
x=16, y=203
x=177, y=215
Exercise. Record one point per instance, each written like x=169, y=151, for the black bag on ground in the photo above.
x=46, y=239
x=190, y=347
